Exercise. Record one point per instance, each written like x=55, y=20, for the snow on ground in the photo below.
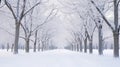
x=58, y=58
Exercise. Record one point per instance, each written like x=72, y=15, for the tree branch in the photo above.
x=23, y=28
x=10, y=8
x=118, y=2
x=23, y=10
x=31, y=9
x=44, y=21
x=102, y=15
x=11, y=33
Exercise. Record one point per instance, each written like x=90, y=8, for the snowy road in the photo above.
x=57, y=58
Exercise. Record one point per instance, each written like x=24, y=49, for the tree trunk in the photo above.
x=85, y=45
x=80, y=46
x=8, y=47
x=100, y=36
x=27, y=45
x=90, y=46
x=77, y=47
x=38, y=47
x=42, y=48
x=116, y=31
x=35, y=46
x=72, y=47
x=17, y=30
x=116, y=43
x=35, y=41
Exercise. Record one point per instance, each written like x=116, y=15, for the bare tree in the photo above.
x=115, y=28
x=18, y=15
x=85, y=35
x=45, y=37
x=29, y=30
x=75, y=42
x=90, y=38
x=98, y=21
x=90, y=29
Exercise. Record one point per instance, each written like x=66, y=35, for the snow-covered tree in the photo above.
x=18, y=10
x=115, y=27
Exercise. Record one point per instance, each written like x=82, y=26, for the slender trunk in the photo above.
x=116, y=44
x=12, y=47
x=27, y=45
x=116, y=31
x=38, y=47
x=42, y=48
x=17, y=30
x=90, y=46
x=8, y=47
x=80, y=46
x=85, y=45
x=35, y=46
x=72, y=47
x=100, y=36
x=35, y=41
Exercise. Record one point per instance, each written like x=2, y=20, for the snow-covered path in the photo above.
x=57, y=58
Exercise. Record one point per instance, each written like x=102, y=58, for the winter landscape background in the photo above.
x=59, y=33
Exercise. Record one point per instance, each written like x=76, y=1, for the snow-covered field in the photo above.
x=58, y=58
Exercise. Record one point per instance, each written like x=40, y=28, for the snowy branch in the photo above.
x=118, y=2
x=45, y=21
x=102, y=15
x=10, y=8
